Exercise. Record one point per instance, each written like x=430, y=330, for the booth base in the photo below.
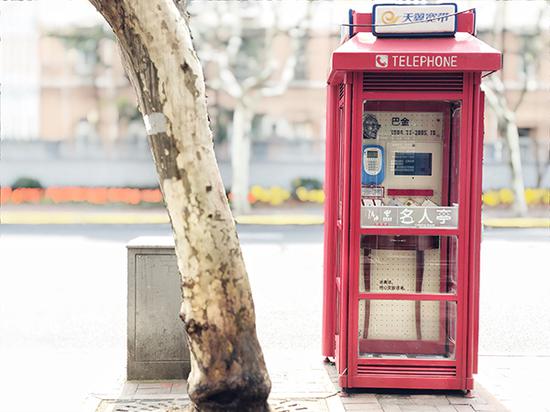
x=401, y=382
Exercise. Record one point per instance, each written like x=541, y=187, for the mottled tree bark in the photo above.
x=228, y=372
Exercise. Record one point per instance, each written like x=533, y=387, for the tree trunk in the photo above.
x=228, y=372
x=541, y=165
x=506, y=119
x=512, y=137
x=240, y=157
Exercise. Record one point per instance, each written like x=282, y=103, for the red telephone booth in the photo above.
x=403, y=198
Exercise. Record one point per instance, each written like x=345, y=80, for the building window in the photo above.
x=525, y=132
x=301, y=68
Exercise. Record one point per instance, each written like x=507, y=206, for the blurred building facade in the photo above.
x=527, y=89
x=69, y=115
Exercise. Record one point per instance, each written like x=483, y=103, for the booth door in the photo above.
x=407, y=244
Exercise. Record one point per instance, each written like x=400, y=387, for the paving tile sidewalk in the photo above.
x=171, y=396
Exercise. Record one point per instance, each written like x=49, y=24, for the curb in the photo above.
x=74, y=218
x=518, y=222
x=71, y=218
x=280, y=220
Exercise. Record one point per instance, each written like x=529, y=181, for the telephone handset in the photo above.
x=373, y=165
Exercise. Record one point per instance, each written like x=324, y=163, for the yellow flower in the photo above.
x=490, y=198
x=506, y=196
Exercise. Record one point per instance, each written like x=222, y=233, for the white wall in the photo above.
x=19, y=71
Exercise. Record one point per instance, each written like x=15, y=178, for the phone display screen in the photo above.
x=413, y=164
x=371, y=154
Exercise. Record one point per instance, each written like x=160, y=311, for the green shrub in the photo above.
x=26, y=182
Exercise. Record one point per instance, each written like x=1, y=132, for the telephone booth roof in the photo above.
x=365, y=52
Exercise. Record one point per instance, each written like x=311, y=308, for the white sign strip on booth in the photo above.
x=443, y=217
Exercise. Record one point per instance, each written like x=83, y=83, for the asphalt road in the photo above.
x=63, y=304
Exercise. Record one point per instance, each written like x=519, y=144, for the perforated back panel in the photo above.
x=393, y=319
x=399, y=266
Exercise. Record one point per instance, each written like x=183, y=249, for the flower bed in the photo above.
x=505, y=197
x=93, y=195
x=273, y=196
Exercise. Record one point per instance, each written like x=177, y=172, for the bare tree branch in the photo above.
x=531, y=57
x=245, y=73
x=296, y=34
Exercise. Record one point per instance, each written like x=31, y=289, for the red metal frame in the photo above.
x=329, y=228
x=342, y=221
x=475, y=219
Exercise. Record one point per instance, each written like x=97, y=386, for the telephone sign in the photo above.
x=422, y=61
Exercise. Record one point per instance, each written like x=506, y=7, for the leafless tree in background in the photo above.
x=238, y=39
x=495, y=92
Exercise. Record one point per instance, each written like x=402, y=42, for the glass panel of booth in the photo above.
x=408, y=264
x=419, y=267
x=407, y=329
x=409, y=164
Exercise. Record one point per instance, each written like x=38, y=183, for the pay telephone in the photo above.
x=373, y=165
